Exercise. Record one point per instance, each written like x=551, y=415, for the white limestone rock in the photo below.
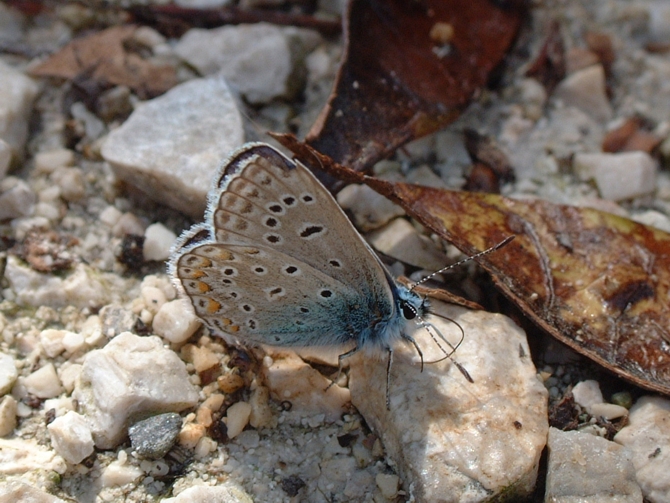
x=153, y=298
x=13, y=491
x=226, y=491
x=51, y=341
x=450, y=439
x=71, y=183
x=648, y=437
x=71, y=437
x=401, y=241
x=16, y=199
x=128, y=223
x=388, y=484
x=49, y=160
x=618, y=176
x=44, y=382
x=171, y=146
x=17, y=93
x=158, y=241
x=83, y=287
x=584, y=467
x=19, y=455
x=608, y=411
x=176, y=321
x=260, y=60
x=129, y=378
x=119, y=474
x=8, y=409
x=8, y=373
x=587, y=393
x=237, y=417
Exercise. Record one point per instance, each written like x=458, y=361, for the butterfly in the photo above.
x=277, y=262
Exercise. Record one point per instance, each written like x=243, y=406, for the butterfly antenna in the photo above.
x=467, y=259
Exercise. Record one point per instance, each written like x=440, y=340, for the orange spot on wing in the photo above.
x=224, y=255
x=213, y=306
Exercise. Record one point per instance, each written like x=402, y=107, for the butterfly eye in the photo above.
x=408, y=312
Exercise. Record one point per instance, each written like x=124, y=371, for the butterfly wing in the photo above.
x=277, y=261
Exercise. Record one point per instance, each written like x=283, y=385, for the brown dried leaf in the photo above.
x=482, y=179
x=408, y=69
x=598, y=282
x=630, y=136
x=601, y=44
x=549, y=65
x=106, y=58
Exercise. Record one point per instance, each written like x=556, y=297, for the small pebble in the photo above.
x=48, y=161
x=585, y=90
x=44, y=382
x=153, y=298
x=71, y=183
x=230, y=382
x=117, y=474
x=238, y=417
x=152, y=438
x=8, y=373
x=204, y=359
x=608, y=411
x=110, y=216
x=175, y=321
x=190, y=435
x=71, y=437
x=587, y=393
x=158, y=241
x=8, y=409
x=388, y=484
x=618, y=176
x=128, y=223
x=16, y=199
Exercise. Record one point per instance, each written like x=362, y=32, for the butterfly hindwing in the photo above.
x=277, y=261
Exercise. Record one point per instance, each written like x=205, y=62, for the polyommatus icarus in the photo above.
x=277, y=262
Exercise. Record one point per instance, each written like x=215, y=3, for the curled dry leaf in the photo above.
x=106, y=58
x=601, y=44
x=549, y=67
x=598, y=282
x=630, y=136
x=408, y=69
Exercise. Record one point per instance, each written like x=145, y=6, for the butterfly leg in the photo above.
x=411, y=340
x=388, y=378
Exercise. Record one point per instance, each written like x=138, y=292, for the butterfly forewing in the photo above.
x=282, y=260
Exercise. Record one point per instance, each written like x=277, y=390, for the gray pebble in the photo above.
x=152, y=438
